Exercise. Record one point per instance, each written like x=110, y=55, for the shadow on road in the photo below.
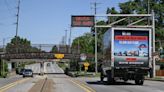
x=106, y=83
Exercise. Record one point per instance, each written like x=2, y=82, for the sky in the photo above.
x=45, y=21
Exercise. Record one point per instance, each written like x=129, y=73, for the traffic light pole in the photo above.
x=95, y=48
x=95, y=8
x=153, y=32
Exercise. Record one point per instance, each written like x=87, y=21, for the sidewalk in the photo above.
x=12, y=73
x=157, y=78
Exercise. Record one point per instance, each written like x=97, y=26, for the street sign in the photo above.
x=59, y=56
x=82, y=21
x=83, y=57
x=86, y=64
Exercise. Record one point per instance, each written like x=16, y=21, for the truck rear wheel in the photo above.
x=110, y=80
x=101, y=77
x=125, y=80
x=139, y=82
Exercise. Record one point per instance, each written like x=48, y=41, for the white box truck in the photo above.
x=126, y=54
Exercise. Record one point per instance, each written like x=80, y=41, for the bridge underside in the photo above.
x=37, y=56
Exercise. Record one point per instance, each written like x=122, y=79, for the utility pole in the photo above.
x=66, y=37
x=148, y=10
x=3, y=59
x=95, y=12
x=70, y=34
x=148, y=6
x=17, y=25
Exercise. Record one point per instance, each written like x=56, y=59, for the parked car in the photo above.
x=21, y=71
x=28, y=73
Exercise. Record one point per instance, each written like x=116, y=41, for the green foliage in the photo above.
x=141, y=7
x=20, y=45
x=85, y=43
x=3, y=68
x=54, y=49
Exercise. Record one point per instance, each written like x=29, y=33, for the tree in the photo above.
x=85, y=43
x=21, y=46
x=54, y=49
x=141, y=7
x=129, y=7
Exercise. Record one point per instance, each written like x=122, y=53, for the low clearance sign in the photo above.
x=82, y=21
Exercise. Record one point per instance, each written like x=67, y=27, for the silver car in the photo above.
x=28, y=73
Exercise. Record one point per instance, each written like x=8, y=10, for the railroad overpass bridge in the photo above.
x=40, y=59
x=42, y=55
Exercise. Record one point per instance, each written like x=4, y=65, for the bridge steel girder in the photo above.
x=37, y=56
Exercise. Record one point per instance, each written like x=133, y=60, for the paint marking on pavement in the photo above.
x=81, y=85
x=6, y=87
x=85, y=86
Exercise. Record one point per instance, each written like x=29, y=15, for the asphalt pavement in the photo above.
x=120, y=86
x=5, y=81
x=64, y=83
x=35, y=67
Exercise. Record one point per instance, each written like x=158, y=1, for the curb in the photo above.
x=161, y=80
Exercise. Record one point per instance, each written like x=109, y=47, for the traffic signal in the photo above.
x=93, y=31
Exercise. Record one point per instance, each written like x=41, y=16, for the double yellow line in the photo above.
x=6, y=87
x=82, y=86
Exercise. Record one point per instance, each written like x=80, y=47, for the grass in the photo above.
x=62, y=65
x=85, y=74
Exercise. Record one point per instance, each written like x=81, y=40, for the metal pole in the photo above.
x=17, y=24
x=66, y=37
x=153, y=31
x=70, y=39
x=95, y=4
x=148, y=7
x=3, y=52
x=95, y=49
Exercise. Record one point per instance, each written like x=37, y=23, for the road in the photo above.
x=63, y=83
x=53, y=68
x=120, y=86
x=5, y=81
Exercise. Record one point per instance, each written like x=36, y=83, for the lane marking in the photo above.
x=6, y=87
x=83, y=86
x=80, y=86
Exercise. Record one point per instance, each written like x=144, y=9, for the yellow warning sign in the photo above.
x=59, y=56
x=86, y=64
